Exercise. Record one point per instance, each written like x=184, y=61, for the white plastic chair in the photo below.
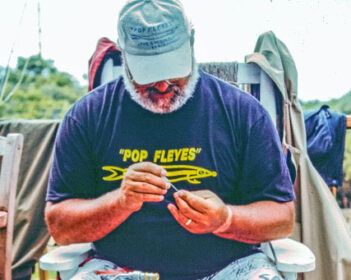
x=65, y=259
x=250, y=74
x=291, y=257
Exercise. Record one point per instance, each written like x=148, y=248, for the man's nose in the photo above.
x=161, y=86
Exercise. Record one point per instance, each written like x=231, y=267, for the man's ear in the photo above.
x=192, y=37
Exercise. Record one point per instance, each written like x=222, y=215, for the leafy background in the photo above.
x=35, y=89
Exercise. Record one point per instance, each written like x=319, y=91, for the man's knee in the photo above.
x=254, y=267
x=268, y=276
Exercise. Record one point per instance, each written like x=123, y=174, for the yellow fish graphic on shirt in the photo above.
x=175, y=173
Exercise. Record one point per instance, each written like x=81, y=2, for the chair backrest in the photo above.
x=250, y=74
x=110, y=71
x=10, y=156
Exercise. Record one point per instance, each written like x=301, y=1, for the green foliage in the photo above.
x=43, y=93
x=342, y=105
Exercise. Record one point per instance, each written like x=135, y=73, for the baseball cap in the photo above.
x=156, y=37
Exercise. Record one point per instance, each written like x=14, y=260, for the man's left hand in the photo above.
x=199, y=211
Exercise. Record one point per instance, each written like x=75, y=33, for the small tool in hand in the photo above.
x=174, y=187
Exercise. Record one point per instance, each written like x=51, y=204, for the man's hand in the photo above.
x=199, y=211
x=143, y=182
x=72, y=220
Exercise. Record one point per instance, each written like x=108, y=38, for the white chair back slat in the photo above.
x=2, y=145
x=267, y=96
x=110, y=72
x=11, y=151
x=249, y=74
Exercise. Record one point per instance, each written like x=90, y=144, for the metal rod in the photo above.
x=174, y=187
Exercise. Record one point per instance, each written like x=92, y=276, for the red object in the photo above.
x=84, y=262
x=114, y=271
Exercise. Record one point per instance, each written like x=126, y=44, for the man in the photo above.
x=121, y=147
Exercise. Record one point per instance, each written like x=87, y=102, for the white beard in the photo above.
x=178, y=100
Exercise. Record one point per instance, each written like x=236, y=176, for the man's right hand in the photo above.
x=143, y=182
x=71, y=220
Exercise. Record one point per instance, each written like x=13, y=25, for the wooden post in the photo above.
x=334, y=190
x=43, y=274
x=348, y=121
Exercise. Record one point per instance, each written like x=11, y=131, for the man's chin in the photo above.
x=159, y=104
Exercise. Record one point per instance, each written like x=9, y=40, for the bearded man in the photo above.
x=125, y=149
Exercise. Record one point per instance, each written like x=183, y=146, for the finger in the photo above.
x=205, y=194
x=149, y=178
x=145, y=197
x=174, y=211
x=194, y=201
x=181, y=219
x=208, y=195
x=149, y=167
x=145, y=188
x=187, y=210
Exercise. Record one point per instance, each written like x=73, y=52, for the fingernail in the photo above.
x=171, y=207
x=168, y=185
x=163, y=172
x=181, y=193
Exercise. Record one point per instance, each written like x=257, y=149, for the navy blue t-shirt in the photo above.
x=221, y=139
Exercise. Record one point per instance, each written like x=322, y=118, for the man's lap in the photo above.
x=254, y=267
x=87, y=270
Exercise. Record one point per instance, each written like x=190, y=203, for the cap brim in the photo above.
x=153, y=68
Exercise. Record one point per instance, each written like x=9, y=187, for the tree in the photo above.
x=35, y=89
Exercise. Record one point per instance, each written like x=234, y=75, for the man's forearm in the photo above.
x=85, y=220
x=260, y=222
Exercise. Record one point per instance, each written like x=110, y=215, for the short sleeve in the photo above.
x=265, y=175
x=72, y=171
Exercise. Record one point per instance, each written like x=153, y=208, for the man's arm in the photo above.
x=87, y=220
x=260, y=222
x=83, y=220
x=253, y=223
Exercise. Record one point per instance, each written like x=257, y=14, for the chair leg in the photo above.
x=43, y=274
x=289, y=275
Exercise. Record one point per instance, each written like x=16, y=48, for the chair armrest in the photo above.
x=65, y=257
x=291, y=256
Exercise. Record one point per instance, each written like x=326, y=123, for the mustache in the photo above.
x=153, y=90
